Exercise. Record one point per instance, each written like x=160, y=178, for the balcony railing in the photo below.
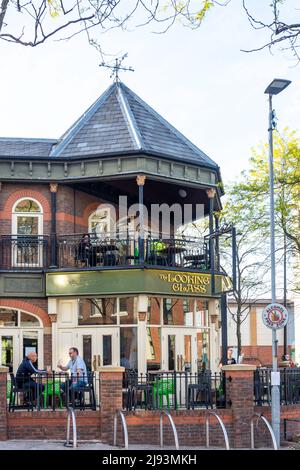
x=24, y=251
x=75, y=251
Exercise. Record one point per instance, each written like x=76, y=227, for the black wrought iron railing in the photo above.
x=174, y=390
x=89, y=251
x=24, y=251
x=53, y=391
x=289, y=386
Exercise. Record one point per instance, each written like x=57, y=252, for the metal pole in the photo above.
x=212, y=244
x=275, y=405
x=285, y=342
x=224, y=328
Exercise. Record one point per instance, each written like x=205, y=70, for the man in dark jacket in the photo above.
x=23, y=377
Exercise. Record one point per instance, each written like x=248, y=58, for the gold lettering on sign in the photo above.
x=187, y=283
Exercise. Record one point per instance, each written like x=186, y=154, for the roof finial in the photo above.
x=116, y=67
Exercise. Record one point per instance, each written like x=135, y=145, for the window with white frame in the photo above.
x=27, y=228
x=100, y=222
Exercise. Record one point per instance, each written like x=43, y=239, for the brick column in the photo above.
x=111, y=379
x=3, y=404
x=239, y=392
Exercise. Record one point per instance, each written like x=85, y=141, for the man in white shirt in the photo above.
x=77, y=367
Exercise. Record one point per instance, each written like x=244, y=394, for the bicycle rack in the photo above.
x=220, y=421
x=71, y=416
x=173, y=429
x=260, y=416
x=125, y=430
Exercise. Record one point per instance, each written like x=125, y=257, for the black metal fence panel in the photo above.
x=174, y=390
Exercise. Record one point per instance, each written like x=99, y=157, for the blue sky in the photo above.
x=199, y=80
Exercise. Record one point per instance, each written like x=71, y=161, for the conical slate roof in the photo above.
x=119, y=122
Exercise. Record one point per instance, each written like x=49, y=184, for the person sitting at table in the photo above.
x=155, y=256
x=24, y=376
x=77, y=367
x=86, y=251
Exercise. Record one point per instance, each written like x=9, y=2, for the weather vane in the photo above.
x=116, y=67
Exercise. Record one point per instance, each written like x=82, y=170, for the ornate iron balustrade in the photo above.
x=77, y=251
x=24, y=251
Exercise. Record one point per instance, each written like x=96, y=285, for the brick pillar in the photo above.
x=239, y=392
x=3, y=404
x=111, y=379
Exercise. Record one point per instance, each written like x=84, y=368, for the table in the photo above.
x=171, y=251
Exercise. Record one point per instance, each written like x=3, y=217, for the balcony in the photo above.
x=24, y=252
x=76, y=251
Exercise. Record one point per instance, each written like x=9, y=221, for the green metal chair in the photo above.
x=163, y=388
x=52, y=390
x=8, y=389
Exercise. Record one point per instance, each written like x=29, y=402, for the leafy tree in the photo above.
x=246, y=207
x=32, y=22
x=252, y=260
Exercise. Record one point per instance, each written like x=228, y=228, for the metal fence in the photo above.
x=53, y=392
x=289, y=386
x=174, y=390
x=90, y=251
x=24, y=251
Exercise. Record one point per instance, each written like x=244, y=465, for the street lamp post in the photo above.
x=275, y=87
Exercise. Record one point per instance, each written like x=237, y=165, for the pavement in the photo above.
x=59, y=445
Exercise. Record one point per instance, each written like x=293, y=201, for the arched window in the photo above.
x=27, y=228
x=27, y=217
x=100, y=222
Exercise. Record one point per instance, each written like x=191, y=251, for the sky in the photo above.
x=199, y=80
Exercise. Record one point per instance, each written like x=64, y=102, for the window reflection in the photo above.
x=128, y=347
x=153, y=348
x=97, y=311
x=8, y=317
x=128, y=310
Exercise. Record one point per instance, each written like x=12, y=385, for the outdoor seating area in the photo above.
x=173, y=390
x=90, y=251
x=54, y=391
x=289, y=386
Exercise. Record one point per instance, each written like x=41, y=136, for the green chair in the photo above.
x=163, y=388
x=8, y=389
x=52, y=390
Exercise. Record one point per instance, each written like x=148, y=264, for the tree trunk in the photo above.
x=3, y=10
x=238, y=333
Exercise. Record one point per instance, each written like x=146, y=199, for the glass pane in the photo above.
x=128, y=310
x=128, y=347
x=27, y=225
x=7, y=353
x=30, y=343
x=171, y=352
x=153, y=348
x=29, y=320
x=188, y=311
x=101, y=311
x=153, y=316
x=203, y=350
x=8, y=317
x=201, y=317
x=168, y=312
x=87, y=350
x=27, y=205
x=187, y=353
x=107, y=350
x=99, y=222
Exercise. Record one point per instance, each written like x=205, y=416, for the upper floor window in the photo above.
x=100, y=222
x=27, y=217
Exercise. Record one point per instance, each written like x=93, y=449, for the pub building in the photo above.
x=74, y=271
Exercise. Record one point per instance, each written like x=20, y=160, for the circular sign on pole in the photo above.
x=275, y=316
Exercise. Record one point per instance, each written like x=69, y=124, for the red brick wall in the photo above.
x=261, y=354
x=52, y=425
